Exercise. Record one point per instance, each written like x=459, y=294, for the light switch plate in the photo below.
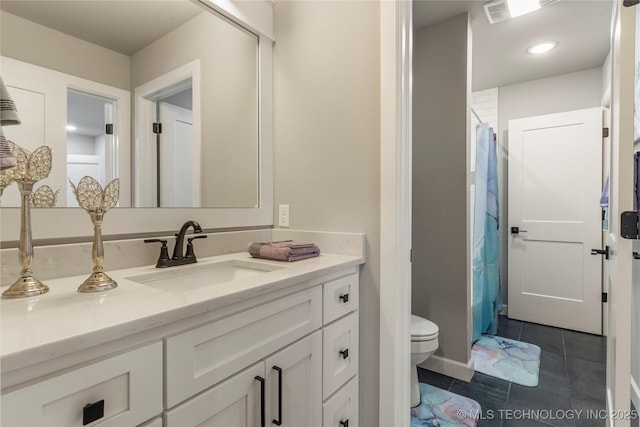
x=283, y=215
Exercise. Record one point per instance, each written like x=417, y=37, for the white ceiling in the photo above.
x=581, y=28
x=122, y=26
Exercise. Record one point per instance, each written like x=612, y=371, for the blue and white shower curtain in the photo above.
x=487, y=299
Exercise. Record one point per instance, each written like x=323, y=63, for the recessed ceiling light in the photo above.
x=522, y=7
x=71, y=128
x=542, y=48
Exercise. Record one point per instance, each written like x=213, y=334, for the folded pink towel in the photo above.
x=286, y=250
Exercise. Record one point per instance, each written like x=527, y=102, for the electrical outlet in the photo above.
x=283, y=215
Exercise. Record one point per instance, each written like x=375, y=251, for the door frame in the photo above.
x=396, y=39
x=618, y=383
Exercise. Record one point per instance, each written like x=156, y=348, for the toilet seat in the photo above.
x=423, y=329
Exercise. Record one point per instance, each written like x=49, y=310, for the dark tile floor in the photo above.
x=572, y=379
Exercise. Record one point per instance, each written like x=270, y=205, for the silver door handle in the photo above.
x=517, y=230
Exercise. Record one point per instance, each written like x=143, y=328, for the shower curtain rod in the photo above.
x=476, y=114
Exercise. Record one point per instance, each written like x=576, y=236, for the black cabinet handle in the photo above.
x=278, y=422
x=344, y=298
x=636, y=255
x=92, y=412
x=344, y=353
x=344, y=423
x=262, y=418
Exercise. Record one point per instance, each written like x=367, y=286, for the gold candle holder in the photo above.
x=30, y=168
x=97, y=202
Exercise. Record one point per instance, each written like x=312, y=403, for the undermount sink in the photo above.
x=195, y=276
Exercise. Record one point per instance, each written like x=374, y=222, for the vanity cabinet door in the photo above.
x=235, y=402
x=123, y=390
x=294, y=384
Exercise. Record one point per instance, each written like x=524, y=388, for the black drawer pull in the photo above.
x=92, y=412
x=344, y=353
x=344, y=423
x=344, y=298
x=262, y=417
x=278, y=422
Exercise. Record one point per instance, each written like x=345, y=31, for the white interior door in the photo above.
x=619, y=265
x=38, y=94
x=555, y=176
x=79, y=166
x=176, y=157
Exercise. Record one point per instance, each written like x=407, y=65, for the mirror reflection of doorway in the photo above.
x=175, y=150
x=91, y=148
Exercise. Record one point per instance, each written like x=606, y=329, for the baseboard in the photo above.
x=505, y=310
x=449, y=367
x=635, y=394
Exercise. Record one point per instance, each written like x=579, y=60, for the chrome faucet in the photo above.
x=179, y=256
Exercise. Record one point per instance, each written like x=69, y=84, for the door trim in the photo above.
x=396, y=29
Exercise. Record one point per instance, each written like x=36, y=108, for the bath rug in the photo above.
x=511, y=360
x=444, y=409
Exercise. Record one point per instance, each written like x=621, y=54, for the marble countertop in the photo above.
x=62, y=321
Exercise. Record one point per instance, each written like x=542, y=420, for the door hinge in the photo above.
x=629, y=227
x=410, y=255
x=108, y=129
x=605, y=297
x=605, y=132
x=157, y=128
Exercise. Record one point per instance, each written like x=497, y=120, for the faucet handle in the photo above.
x=190, y=253
x=164, y=252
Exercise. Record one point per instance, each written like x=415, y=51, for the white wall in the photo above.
x=327, y=142
x=81, y=144
x=441, y=99
x=566, y=92
x=228, y=72
x=33, y=43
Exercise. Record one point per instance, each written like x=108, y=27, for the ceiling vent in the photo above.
x=498, y=10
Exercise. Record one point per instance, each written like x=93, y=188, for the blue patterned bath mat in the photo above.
x=444, y=409
x=507, y=359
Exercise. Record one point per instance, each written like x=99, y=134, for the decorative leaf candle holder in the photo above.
x=97, y=202
x=5, y=181
x=44, y=197
x=30, y=168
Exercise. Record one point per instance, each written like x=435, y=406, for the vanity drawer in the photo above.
x=341, y=410
x=340, y=353
x=130, y=385
x=340, y=297
x=200, y=358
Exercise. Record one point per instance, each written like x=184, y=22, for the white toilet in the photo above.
x=424, y=342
